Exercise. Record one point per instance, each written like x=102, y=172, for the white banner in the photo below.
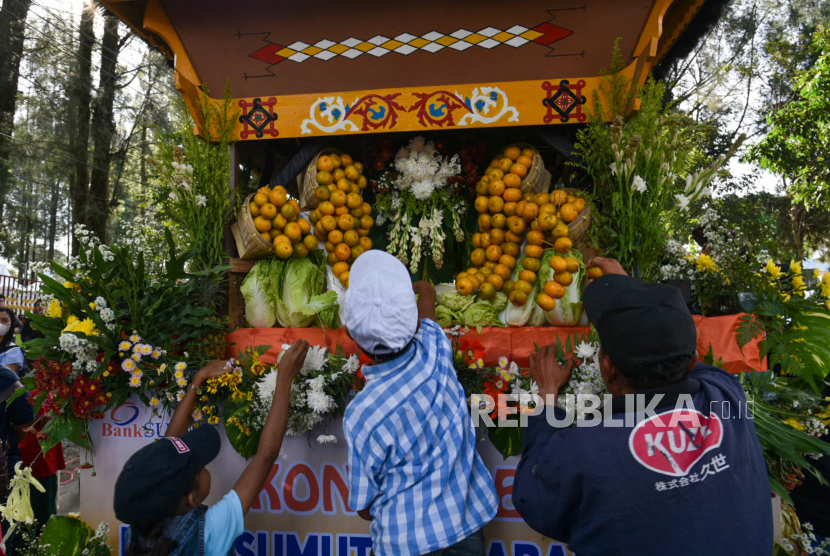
x=303, y=510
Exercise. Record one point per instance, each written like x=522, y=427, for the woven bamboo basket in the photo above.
x=307, y=181
x=579, y=227
x=538, y=178
x=249, y=243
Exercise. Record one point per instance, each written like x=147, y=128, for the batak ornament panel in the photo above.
x=258, y=118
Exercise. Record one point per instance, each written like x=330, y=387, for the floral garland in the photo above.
x=415, y=197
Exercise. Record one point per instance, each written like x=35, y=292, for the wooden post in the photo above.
x=234, y=304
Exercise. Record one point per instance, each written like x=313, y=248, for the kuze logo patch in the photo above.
x=672, y=443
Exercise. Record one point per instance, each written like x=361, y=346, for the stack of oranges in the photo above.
x=277, y=219
x=342, y=219
x=498, y=241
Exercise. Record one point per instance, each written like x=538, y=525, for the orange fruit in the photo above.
x=323, y=177
x=554, y=289
x=496, y=236
x=278, y=197
x=484, y=222
x=478, y=257
x=293, y=231
x=493, y=253
x=511, y=194
x=508, y=287
x=305, y=227
x=351, y=238
x=330, y=247
x=260, y=199
x=262, y=224
x=505, y=164
x=337, y=175
x=487, y=290
x=315, y=216
x=509, y=261
x=595, y=272
x=265, y=190
x=512, y=152
x=495, y=174
x=559, y=197
x=359, y=166
x=310, y=242
x=289, y=211
x=357, y=251
x=528, y=152
x=464, y=286
x=524, y=286
x=351, y=172
x=366, y=222
x=512, y=180
x=477, y=239
x=322, y=193
x=503, y=271
x=344, y=279
x=362, y=232
x=510, y=248
x=365, y=243
x=254, y=208
x=367, y=208
x=563, y=244
x=353, y=201
x=344, y=185
x=564, y=278
x=535, y=238
x=568, y=212
x=481, y=204
x=558, y=264
x=328, y=223
x=520, y=208
x=319, y=233
x=518, y=298
x=496, y=280
x=332, y=259
x=534, y=251
x=525, y=160
x=340, y=211
x=361, y=182
x=267, y=236
x=325, y=163
x=534, y=225
x=519, y=169
x=531, y=263
x=346, y=159
x=338, y=198
x=580, y=204
x=268, y=211
x=547, y=208
x=345, y=222
x=516, y=225
x=510, y=236
x=335, y=237
x=284, y=249
x=339, y=267
x=509, y=209
x=547, y=222
x=498, y=221
x=573, y=265
x=560, y=230
x=496, y=187
x=546, y=302
x=571, y=199
x=476, y=279
x=527, y=276
x=343, y=252
x=300, y=250
x=326, y=208
x=531, y=211
x=481, y=187
x=541, y=199
x=335, y=158
x=495, y=205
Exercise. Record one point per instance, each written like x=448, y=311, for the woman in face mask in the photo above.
x=10, y=353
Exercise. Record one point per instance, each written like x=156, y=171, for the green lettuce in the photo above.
x=297, y=289
x=499, y=302
x=446, y=295
x=481, y=314
x=446, y=317
x=256, y=290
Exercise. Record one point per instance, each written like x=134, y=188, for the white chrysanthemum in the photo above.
x=266, y=387
x=317, y=383
x=315, y=360
x=326, y=439
x=351, y=365
x=585, y=350
x=320, y=402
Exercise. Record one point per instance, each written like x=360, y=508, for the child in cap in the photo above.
x=162, y=486
x=413, y=467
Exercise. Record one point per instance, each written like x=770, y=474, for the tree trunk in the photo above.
x=797, y=220
x=53, y=223
x=103, y=130
x=81, y=97
x=12, y=27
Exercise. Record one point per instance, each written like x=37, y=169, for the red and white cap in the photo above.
x=380, y=309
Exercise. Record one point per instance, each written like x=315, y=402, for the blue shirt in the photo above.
x=13, y=356
x=679, y=489
x=412, y=453
x=224, y=521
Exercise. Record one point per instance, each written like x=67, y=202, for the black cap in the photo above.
x=156, y=477
x=639, y=323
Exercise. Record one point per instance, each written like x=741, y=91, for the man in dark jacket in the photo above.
x=686, y=479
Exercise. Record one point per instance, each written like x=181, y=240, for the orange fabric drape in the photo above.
x=514, y=343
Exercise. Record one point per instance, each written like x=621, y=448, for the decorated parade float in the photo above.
x=492, y=149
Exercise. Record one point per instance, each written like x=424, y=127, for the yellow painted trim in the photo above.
x=157, y=21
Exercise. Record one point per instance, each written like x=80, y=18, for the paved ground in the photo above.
x=69, y=493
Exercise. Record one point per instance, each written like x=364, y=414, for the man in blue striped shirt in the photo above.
x=413, y=466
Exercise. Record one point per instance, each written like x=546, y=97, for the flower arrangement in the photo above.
x=585, y=380
x=111, y=331
x=415, y=197
x=65, y=535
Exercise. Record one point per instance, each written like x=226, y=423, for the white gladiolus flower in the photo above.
x=614, y=168
x=201, y=200
x=682, y=201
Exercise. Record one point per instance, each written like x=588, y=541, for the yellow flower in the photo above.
x=93, y=306
x=827, y=304
x=704, y=263
x=213, y=420
x=825, y=285
x=178, y=374
x=816, y=273
x=795, y=268
x=72, y=319
x=86, y=326
x=55, y=309
x=154, y=401
x=72, y=286
x=785, y=296
x=162, y=368
x=773, y=270
x=794, y=423
x=798, y=284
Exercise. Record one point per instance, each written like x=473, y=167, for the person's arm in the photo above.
x=253, y=478
x=181, y=417
x=426, y=299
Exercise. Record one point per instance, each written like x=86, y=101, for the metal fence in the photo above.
x=20, y=293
